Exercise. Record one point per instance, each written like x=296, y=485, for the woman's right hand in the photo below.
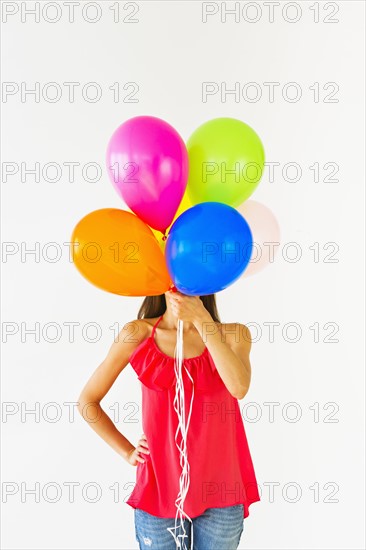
x=142, y=447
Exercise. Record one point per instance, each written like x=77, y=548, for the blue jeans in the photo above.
x=215, y=529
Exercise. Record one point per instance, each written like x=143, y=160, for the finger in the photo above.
x=143, y=436
x=142, y=450
x=143, y=443
x=140, y=459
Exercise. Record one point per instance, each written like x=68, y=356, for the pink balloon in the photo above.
x=147, y=162
x=265, y=229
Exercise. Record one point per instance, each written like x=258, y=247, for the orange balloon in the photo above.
x=117, y=252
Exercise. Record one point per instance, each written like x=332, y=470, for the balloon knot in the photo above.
x=164, y=238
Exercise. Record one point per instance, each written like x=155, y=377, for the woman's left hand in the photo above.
x=187, y=308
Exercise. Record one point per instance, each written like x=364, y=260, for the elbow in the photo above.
x=83, y=404
x=240, y=392
x=80, y=404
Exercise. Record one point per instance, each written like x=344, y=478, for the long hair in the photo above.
x=154, y=306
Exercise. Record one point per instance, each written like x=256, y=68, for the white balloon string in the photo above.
x=179, y=407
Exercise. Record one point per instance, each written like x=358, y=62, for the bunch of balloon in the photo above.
x=183, y=229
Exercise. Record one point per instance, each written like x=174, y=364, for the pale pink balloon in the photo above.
x=265, y=229
x=147, y=162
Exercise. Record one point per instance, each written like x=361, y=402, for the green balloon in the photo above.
x=226, y=160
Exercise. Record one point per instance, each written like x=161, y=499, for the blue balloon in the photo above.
x=208, y=248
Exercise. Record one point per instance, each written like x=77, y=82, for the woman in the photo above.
x=222, y=480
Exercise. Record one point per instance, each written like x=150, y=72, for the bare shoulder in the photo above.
x=138, y=330
x=134, y=331
x=237, y=334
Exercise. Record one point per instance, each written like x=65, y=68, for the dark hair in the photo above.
x=154, y=306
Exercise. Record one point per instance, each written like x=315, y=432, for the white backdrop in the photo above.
x=63, y=487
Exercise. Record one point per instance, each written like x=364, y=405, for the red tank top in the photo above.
x=221, y=469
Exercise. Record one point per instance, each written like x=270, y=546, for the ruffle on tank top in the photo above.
x=155, y=369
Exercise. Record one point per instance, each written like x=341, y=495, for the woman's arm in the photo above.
x=229, y=346
x=131, y=335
